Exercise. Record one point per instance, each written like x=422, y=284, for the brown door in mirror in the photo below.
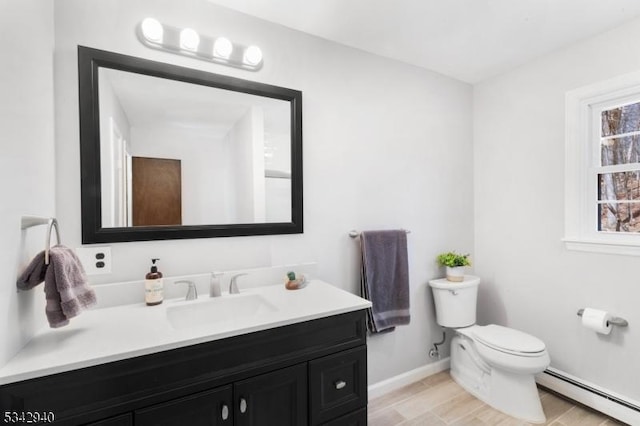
x=156, y=189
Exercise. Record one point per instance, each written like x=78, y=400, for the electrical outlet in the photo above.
x=95, y=260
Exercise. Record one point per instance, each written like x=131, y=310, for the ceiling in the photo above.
x=470, y=40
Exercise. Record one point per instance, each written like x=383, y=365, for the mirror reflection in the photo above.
x=173, y=153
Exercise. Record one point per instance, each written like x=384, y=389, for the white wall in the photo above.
x=386, y=145
x=110, y=157
x=530, y=281
x=277, y=193
x=246, y=148
x=277, y=190
x=26, y=159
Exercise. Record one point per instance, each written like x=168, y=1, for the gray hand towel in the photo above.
x=385, y=278
x=65, y=284
x=33, y=274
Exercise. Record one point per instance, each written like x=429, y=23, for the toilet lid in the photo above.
x=508, y=340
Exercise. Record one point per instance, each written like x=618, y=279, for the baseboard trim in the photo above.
x=591, y=395
x=396, y=382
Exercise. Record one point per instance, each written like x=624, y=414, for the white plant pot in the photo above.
x=455, y=273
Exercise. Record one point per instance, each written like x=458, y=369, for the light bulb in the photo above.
x=189, y=39
x=222, y=48
x=152, y=30
x=252, y=55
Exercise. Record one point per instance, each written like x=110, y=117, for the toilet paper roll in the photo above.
x=596, y=320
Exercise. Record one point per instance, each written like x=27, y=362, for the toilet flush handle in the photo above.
x=454, y=292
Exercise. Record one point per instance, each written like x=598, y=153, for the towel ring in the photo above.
x=51, y=222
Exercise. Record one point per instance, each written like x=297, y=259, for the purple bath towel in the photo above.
x=385, y=278
x=65, y=284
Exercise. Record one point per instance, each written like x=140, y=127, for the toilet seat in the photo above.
x=506, y=340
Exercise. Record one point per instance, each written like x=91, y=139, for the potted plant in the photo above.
x=455, y=264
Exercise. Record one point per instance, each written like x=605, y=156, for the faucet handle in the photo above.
x=192, y=292
x=233, y=285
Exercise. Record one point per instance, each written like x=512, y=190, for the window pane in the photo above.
x=622, y=186
x=619, y=217
x=620, y=120
x=624, y=150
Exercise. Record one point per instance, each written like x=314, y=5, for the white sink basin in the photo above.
x=220, y=309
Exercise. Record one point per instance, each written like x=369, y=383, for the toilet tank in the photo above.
x=455, y=301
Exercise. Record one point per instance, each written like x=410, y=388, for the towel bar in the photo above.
x=613, y=321
x=51, y=222
x=355, y=234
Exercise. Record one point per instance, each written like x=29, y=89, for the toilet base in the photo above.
x=514, y=394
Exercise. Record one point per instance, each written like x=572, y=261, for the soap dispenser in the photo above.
x=153, y=285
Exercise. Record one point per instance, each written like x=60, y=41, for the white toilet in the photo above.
x=496, y=364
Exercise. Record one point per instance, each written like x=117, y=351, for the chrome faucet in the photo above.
x=233, y=286
x=214, y=284
x=192, y=293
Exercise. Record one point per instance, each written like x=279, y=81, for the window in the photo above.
x=618, y=168
x=602, y=189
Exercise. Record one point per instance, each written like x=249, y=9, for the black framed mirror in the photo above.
x=169, y=152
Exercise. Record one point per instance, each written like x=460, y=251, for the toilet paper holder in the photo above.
x=621, y=322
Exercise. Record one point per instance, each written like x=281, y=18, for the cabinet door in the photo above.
x=276, y=398
x=210, y=408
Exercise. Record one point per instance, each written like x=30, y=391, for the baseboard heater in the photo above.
x=590, y=395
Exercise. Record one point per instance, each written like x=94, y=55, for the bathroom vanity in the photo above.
x=300, y=362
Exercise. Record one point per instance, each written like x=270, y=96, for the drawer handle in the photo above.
x=243, y=405
x=225, y=412
x=340, y=384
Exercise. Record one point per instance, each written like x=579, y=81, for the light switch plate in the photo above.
x=95, y=260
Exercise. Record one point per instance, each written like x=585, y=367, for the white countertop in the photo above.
x=111, y=334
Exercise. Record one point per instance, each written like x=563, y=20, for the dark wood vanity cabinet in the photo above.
x=310, y=373
x=123, y=420
x=337, y=384
x=276, y=398
x=212, y=408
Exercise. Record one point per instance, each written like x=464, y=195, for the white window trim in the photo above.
x=580, y=214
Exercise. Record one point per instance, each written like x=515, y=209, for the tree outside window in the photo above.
x=619, y=171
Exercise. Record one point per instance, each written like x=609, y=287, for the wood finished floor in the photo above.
x=439, y=401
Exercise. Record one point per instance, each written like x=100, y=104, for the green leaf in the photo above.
x=453, y=259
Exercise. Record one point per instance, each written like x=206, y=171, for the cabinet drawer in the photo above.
x=357, y=418
x=337, y=384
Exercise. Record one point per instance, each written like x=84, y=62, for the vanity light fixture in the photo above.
x=152, y=30
x=222, y=48
x=252, y=55
x=187, y=42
